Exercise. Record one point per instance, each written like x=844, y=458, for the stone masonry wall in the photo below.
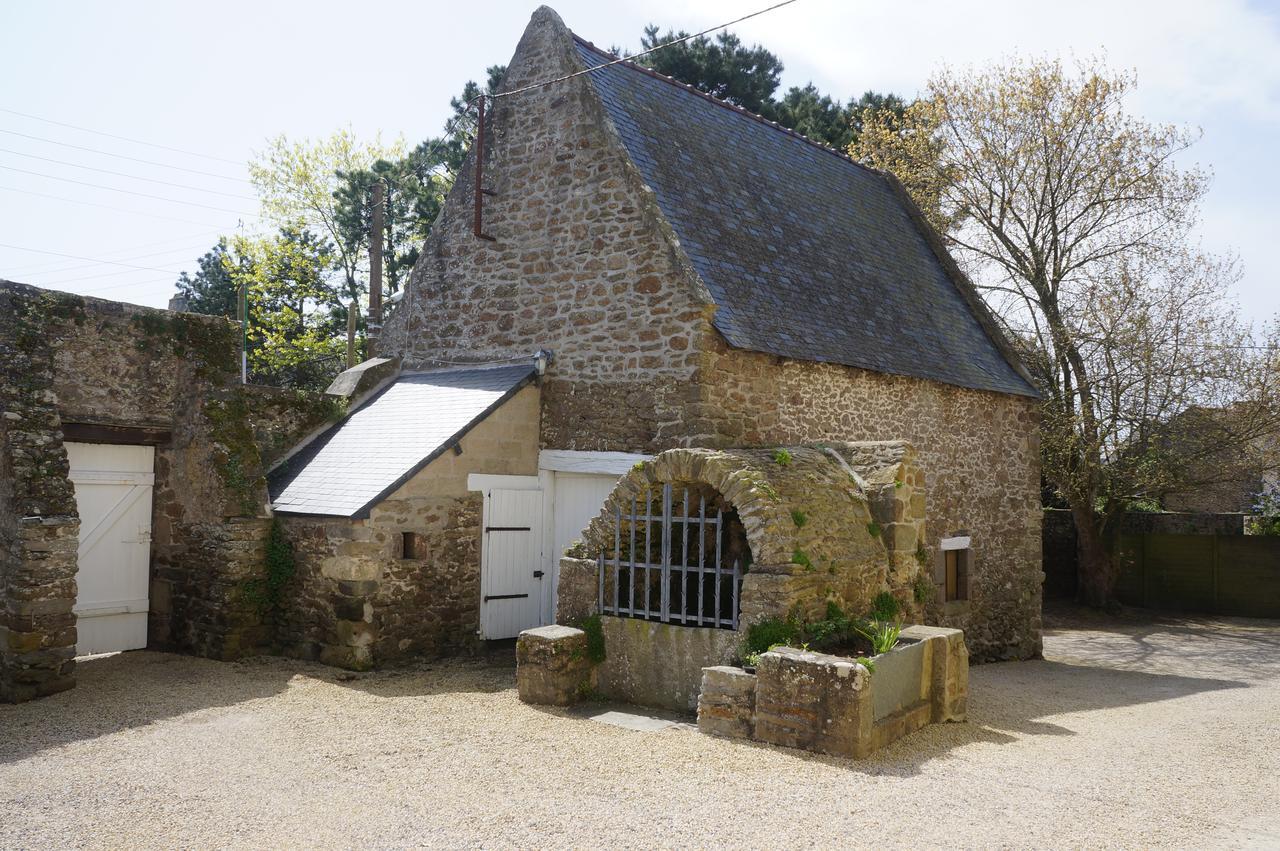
x=68, y=359
x=979, y=453
x=582, y=263
x=357, y=602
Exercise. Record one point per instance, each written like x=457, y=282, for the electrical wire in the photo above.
x=59, y=267
x=121, y=138
x=127, y=191
x=130, y=176
x=81, y=257
x=107, y=207
x=185, y=251
x=633, y=56
x=124, y=156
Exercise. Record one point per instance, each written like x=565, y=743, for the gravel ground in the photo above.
x=1130, y=733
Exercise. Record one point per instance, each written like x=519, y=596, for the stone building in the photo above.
x=697, y=277
x=643, y=269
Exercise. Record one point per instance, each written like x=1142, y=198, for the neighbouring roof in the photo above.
x=807, y=254
x=374, y=450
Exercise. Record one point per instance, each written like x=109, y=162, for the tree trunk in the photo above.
x=1095, y=571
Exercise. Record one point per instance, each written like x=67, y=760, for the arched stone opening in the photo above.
x=807, y=524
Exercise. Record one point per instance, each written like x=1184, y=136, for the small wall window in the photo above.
x=408, y=545
x=955, y=568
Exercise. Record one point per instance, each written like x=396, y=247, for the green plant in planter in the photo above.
x=883, y=636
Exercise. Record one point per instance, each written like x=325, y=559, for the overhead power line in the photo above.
x=633, y=56
x=121, y=138
x=124, y=156
x=59, y=267
x=128, y=191
x=130, y=176
x=106, y=207
x=81, y=257
x=185, y=251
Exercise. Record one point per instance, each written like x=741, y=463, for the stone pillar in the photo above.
x=37, y=626
x=552, y=665
x=727, y=702
x=949, y=676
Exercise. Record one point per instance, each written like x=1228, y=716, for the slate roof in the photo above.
x=807, y=254
x=364, y=458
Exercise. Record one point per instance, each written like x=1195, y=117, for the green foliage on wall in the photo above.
x=265, y=592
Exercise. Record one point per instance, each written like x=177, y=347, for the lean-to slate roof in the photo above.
x=807, y=254
x=378, y=447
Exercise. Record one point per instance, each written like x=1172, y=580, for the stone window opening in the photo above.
x=955, y=568
x=408, y=545
x=678, y=555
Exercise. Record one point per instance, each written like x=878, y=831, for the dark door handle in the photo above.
x=537, y=574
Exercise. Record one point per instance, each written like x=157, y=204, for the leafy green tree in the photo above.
x=211, y=290
x=415, y=187
x=724, y=68
x=749, y=77
x=297, y=320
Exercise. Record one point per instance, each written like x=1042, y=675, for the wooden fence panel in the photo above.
x=1249, y=576
x=1211, y=574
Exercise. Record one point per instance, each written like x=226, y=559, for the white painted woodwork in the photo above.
x=511, y=555
x=113, y=486
x=576, y=461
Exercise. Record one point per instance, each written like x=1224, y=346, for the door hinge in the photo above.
x=488, y=597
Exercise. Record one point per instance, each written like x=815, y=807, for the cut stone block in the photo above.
x=727, y=702
x=552, y=666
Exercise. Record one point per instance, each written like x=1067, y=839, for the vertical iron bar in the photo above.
x=684, y=562
x=617, y=558
x=737, y=578
x=719, y=535
x=665, y=572
x=702, y=548
x=600, y=571
x=631, y=568
x=648, y=546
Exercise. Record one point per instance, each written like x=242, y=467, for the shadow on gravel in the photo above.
x=130, y=690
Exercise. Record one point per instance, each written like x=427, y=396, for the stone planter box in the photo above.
x=834, y=705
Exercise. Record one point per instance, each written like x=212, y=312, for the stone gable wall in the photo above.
x=582, y=263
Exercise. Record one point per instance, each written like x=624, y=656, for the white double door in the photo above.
x=525, y=533
x=113, y=486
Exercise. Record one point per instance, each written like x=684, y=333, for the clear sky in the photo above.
x=219, y=78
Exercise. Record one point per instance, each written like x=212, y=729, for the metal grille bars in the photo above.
x=685, y=580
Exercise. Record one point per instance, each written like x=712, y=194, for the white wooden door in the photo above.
x=578, y=500
x=113, y=497
x=511, y=573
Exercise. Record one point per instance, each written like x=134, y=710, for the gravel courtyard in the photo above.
x=1131, y=733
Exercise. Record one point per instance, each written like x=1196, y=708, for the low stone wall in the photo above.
x=660, y=665
x=834, y=705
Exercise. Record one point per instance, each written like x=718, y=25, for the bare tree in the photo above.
x=1074, y=220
